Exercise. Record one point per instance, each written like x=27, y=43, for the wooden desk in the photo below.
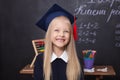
x=99, y=75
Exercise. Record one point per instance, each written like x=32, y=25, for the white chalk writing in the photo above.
x=87, y=31
x=87, y=40
x=117, y=26
x=85, y=10
x=117, y=32
x=113, y=12
x=82, y=11
x=117, y=44
x=103, y=1
x=117, y=35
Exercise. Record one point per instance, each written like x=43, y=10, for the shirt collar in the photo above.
x=64, y=56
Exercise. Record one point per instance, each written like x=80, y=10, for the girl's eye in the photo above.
x=66, y=31
x=56, y=30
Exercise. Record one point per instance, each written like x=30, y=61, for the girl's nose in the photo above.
x=61, y=33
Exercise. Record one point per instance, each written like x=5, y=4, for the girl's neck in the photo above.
x=58, y=51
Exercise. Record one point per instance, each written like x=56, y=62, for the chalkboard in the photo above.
x=96, y=16
x=96, y=19
x=98, y=26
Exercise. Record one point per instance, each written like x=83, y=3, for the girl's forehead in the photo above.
x=61, y=25
x=61, y=21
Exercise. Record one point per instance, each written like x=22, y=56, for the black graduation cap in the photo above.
x=53, y=12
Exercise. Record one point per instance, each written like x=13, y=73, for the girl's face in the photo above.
x=60, y=32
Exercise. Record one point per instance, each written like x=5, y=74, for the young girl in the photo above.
x=59, y=61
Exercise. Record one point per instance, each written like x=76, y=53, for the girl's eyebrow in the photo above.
x=56, y=28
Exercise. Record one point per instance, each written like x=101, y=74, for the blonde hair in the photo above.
x=73, y=65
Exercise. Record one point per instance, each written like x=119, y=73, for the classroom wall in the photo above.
x=98, y=23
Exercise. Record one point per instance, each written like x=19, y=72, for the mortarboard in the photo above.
x=53, y=12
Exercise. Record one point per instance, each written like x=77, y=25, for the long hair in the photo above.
x=73, y=66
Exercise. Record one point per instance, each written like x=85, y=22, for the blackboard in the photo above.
x=97, y=17
x=98, y=26
x=96, y=20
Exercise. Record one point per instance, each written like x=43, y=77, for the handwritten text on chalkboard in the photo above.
x=117, y=35
x=85, y=10
x=87, y=32
x=111, y=2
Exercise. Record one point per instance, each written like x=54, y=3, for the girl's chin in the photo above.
x=59, y=46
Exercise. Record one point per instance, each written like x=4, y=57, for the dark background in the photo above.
x=18, y=29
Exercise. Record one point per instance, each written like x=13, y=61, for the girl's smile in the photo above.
x=60, y=40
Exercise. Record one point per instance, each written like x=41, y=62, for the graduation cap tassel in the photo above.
x=75, y=35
